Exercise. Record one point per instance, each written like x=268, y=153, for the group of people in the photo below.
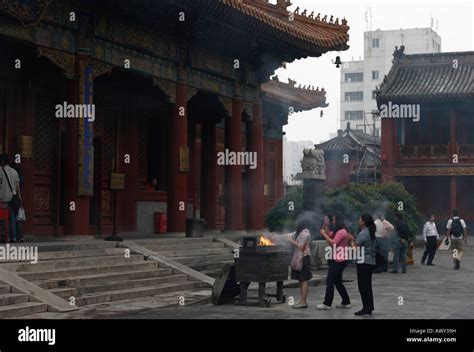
x=335, y=232
x=9, y=188
x=376, y=238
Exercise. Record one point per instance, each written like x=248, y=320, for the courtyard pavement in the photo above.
x=427, y=292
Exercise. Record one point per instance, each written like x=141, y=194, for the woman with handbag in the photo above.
x=338, y=240
x=366, y=266
x=300, y=262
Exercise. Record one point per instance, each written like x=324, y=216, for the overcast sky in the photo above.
x=456, y=29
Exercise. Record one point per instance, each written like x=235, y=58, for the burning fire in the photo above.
x=263, y=241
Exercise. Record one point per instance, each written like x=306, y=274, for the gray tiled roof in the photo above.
x=422, y=77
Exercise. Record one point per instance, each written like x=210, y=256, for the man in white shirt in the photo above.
x=431, y=237
x=457, y=232
x=382, y=233
x=9, y=185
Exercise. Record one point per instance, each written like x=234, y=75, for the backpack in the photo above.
x=456, y=228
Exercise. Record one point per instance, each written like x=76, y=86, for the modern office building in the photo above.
x=359, y=79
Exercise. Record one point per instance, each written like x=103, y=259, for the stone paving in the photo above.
x=429, y=292
x=436, y=292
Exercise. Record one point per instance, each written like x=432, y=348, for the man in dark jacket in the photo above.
x=400, y=247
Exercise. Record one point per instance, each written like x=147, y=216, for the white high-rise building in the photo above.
x=359, y=79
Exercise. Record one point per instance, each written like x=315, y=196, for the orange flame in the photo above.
x=263, y=241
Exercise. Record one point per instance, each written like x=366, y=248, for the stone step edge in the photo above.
x=54, y=302
x=149, y=255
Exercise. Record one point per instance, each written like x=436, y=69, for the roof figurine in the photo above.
x=398, y=53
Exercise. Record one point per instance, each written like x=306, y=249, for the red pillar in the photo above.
x=75, y=222
x=452, y=134
x=210, y=187
x=255, y=203
x=453, y=193
x=389, y=149
x=178, y=180
x=233, y=187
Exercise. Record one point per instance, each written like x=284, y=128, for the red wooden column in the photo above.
x=453, y=146
x=178, y=140
x=210, y=187
x=233, y=188
x=255, y=199
x=389, y=149
x=75, y=222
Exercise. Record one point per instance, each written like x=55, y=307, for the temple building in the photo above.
x=431, y=151
x=173, y=83
x=351, y=157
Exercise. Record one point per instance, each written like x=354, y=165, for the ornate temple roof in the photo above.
x=428, y=77
x=300, y=98
x=324, y=31
x=351, y=140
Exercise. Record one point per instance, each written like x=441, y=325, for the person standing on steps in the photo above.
x=457, y=232
x=9, y=189
x=431, y=237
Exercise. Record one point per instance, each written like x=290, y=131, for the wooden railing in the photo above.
x=424, y=151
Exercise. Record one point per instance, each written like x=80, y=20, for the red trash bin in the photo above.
x=5, y=218
x=160, y=223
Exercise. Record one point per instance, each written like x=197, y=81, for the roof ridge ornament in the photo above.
x=398, y=54
x=283, y=4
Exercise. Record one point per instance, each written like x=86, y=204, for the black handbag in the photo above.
x=16, y=201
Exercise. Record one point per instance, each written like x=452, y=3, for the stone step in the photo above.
x=5, y=289
x=174, y=241
x=190, y=261
x=77, y=262
x=18, y=310
x=72, y=246
x=210, y=266
x=120, y=295
x=87, y=270
x=194, y=252
x=177, y=247
x=9, y=299
x=97, y=279
x=42, y=256
x=119, y=285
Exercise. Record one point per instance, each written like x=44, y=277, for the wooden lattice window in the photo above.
x=44, y=135
x=109, y=147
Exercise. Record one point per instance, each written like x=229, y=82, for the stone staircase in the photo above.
x=14, y=303
x=90, y=272
x=201, y=254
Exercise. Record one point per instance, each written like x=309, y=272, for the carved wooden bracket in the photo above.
x=64, y=61
x=191, y=92
x=168, y=88
x=101, y=68
x=227, y=104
